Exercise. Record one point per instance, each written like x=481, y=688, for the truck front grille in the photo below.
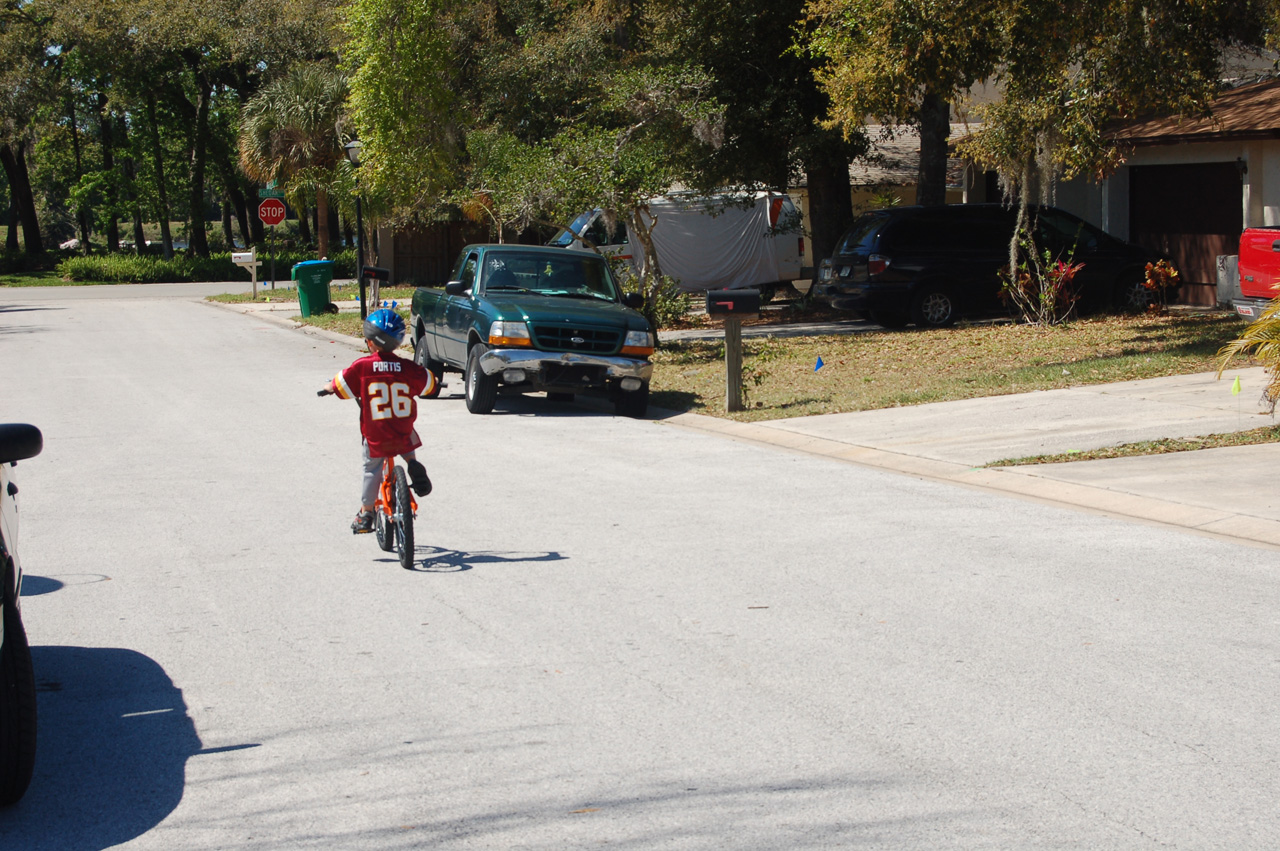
x=564, y=338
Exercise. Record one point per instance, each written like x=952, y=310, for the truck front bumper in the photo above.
x=530, y=360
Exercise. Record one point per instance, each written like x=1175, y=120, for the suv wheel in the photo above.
x=1132, y=296
x=933, y=307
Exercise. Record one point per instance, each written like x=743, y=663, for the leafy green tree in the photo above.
x=400, y=65
x=1068, y=72
x=25, y=83
x=904, y=62
x=292, y=132
x=773, y=107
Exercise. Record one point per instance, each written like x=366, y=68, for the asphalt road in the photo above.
x=619, y=634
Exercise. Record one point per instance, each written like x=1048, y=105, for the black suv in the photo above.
x=930, y=265
x=17, y=679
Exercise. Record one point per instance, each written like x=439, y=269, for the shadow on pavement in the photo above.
x=114, y=738
x=441, y=560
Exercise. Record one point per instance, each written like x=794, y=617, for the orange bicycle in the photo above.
x=394, y=511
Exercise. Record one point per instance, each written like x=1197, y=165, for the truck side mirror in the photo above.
x=635, y=301
x=455, y=288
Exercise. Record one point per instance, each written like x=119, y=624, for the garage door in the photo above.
x=1193, y=213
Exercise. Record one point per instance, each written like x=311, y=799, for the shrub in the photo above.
x=185, y=268
x=664, y=304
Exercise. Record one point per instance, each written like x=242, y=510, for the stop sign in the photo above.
x=271, y=211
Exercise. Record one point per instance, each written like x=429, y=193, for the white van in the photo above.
x=727, y=241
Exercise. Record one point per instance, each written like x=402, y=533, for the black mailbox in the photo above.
x=733, y=302
x=377, y=273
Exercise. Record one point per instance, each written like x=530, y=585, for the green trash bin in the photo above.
x=313, y=277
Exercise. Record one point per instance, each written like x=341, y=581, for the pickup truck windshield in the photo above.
x=571, y=275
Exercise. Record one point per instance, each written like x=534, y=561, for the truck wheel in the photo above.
x=933, y=307
x=17, y=710
x=482, y=390
x=434, y=367
x=632, y=403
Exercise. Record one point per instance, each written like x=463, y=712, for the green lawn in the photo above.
x=885, y=369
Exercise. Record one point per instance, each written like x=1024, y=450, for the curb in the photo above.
x=1016, y=481
x=265, y=314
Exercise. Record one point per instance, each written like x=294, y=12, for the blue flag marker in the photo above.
x=817, y=366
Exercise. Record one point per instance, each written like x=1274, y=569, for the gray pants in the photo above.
x=373, y=476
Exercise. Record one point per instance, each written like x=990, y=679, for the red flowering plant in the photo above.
x=1044, y=291
x=1161, y=279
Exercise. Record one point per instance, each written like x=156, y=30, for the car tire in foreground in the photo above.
x=482, y=390
x=17, y=709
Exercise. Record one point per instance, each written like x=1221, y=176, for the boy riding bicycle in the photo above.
x=386, y=386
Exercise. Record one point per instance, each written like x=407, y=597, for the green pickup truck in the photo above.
x=525, y=319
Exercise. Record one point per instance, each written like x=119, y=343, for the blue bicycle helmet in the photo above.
x=385, y=329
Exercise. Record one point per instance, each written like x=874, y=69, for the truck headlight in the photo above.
x=509, y=334
x=638, y=343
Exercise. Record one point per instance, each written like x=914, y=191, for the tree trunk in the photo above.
x=162, y=191
x=11, y=238
x=199, y=244
x=228, y=235
x=240, y=209
x=830, y=201
x=304, y=227
x=333, y=224
x=935, y=127
x=129, y=167
x=107, y=134
x=82, y=212
x=251, y=209
x=322, y=222
x=14, y=159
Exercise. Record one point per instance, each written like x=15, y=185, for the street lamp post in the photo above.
x=353, y=154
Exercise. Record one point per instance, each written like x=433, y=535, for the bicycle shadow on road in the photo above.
x=113, y=741
x=441, y=560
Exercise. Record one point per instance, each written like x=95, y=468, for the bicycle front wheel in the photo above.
x=404, y=519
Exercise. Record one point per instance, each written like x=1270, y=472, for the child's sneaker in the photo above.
x=363, y=523
x=418, y=477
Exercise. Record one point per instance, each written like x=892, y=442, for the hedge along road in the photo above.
x=617, y=633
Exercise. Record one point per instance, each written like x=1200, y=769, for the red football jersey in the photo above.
x=387, y=387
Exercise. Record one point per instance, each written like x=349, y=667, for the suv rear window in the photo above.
x=862, y=235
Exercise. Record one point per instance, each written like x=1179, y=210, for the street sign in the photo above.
x=271, y=190
x=271, y=211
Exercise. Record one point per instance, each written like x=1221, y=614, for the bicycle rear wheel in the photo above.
x=403, y=516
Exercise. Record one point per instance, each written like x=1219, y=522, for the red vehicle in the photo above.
x=1259, y=270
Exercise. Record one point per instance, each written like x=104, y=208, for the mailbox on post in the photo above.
x=248, y=260
x=733, y=305
x=733, y=302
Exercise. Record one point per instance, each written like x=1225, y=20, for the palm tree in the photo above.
x=291, y=132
